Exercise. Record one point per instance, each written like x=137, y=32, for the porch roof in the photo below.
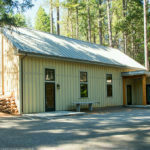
x=135, y=73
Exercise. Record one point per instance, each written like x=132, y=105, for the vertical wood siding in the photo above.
x=136, y=85
x=137, y=91
x=67, y=74
x=11, y=71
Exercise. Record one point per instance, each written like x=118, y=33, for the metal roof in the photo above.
x=40, y=43
x=135, y=73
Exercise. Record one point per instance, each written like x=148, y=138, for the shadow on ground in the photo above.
x=126, y=129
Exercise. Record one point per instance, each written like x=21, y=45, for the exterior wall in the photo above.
x=67, y=74
x=11, y=71
x=136, y=85
x=129, y=82
x=0, y=64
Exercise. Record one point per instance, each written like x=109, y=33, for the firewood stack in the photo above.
x=8, y=105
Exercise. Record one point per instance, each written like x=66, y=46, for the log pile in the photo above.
x=8, y=105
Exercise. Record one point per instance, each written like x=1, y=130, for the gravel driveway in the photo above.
x=123, y=129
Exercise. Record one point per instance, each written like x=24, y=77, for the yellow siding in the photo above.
x=11, y=71
x=67, y=74
x=136, y=85
x=137, y=91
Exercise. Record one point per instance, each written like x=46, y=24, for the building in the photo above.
x=48, y=72
x=0, y=67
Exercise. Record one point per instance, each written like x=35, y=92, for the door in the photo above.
x=49, y=96
x=148, y=93
x=129, y=94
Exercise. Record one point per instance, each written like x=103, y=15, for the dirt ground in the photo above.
x=7, y=115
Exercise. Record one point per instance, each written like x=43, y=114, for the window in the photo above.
x=83, y=76
x=109, y=84
x=83, y=84
x=49, y=75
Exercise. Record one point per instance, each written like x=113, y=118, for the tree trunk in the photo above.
x=71, y=25
x=68, y=22
x=132, y=47
x=87, y=35
x=51, y=17
x=94, y=38
x=100, y=23
x=57, y=8
x=124, y=2
x=89, y=22
x=109, y=24
x=145, y=36
x=77, y=23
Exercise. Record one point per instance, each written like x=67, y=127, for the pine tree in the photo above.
x=109, y=23
x=51, y=17
x=58, y=17
x=145, y=35
x=42, y=21
x=89, y=21
x=8, y=8
x=124, y=4
x=100, y=23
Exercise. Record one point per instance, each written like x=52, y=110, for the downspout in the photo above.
x=22, y=81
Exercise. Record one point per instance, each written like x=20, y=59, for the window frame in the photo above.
x=111, y=83
x=83, y=83
x=45, y=76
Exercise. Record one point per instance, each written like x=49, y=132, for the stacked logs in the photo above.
x=8, y=105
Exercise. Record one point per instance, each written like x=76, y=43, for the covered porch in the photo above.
x=136, y=88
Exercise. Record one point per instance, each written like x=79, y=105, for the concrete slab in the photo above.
x=53, y=114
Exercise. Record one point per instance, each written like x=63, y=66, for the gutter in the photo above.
x=22, y=81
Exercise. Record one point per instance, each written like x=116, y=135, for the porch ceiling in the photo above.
x=135, y=73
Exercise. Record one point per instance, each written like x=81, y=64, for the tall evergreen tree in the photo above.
x=89, y=21
x=58, y=17
x=51, y=17
x=109, y=23
x=42, y=21
x=8, y=8
x=145, y=35
x=20, y=20
x=100, y=22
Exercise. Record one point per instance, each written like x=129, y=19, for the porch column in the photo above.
x=144, y=89
x=124, y=91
